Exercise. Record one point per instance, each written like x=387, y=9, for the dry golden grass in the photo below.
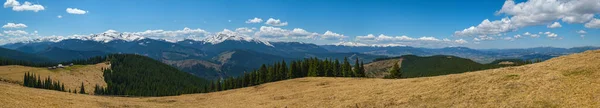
x=72, y=77
x=567, y=81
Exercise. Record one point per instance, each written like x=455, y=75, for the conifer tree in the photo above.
x=356, y=68
x=292, y=71
x=395, y=71
x=362, y=70
x=82, y=89
x=336, y=68
x=346, y=68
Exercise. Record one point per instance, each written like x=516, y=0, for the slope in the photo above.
x=72, y=76
x=414, y=66
x=567, y=81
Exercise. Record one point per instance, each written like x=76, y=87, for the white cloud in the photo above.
x=14, y=25
x=535, y=12
x=461, y=41
x=551, y=35
x=76, y=11
x=425, y=41
x=532, y=35
x=581, y=32
x=331, y=36
x=595, y=23
x=255, y=20
x=276, y=22
x=518, y=36
x=11, y=3
x=484, y=38
x=488, y=27
x=554, y=25
x=269, y=32
x=508, y=38
x=15, y=33
x=59, y=16
x=245, y=30
x=429, y=39
x=26, y=6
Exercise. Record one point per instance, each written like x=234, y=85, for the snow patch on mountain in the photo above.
x=221, y=37
x=108, y=36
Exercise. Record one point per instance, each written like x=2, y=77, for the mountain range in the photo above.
x=224, y=55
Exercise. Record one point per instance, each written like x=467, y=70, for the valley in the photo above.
x=566, y=81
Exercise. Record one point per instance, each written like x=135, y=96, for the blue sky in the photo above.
x=419, y=23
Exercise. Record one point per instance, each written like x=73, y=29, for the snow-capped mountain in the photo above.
x=105, y=37
x=111, y=35
x=221, y=37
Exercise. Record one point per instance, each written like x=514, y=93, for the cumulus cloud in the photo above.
x=59, y=16
x=26, y=6
x=461, y=41
x=535, y=12
x=554, y=25
x=254, y=20
x=276, y=22
x=518, y=36
x=275, y=32
x=15, y=33
x=76, y=11
x=329, y=35
x=532, y=35
x=245, y=30
x=483, y=38
x=508, y=38
x=551, y=35
x=488, y=27
x=581, y=32
x=14, y=26
x=425, y=41
x=595, y=23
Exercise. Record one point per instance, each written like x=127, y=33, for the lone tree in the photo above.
x=395, y=71
x=82, y=90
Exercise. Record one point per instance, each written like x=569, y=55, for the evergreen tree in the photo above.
x=346, y=68
x=336, y=68
x=82, y=89
x=395, y=71
x=362, y=70
x=356, y=69
x=292, y=72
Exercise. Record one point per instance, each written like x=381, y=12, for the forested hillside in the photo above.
x=415, y=66
x=142, y=76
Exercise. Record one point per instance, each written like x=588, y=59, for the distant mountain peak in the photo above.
x=221, y=37
x=111, y=35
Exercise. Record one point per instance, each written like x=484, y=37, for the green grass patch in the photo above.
x=511, y=76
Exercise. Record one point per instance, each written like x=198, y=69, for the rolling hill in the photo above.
x=413, y=66
x=566, y=81
x=72, y=77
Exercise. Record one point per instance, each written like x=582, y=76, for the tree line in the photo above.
x=309, y=67
x=35, y=81
x=135, y=75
